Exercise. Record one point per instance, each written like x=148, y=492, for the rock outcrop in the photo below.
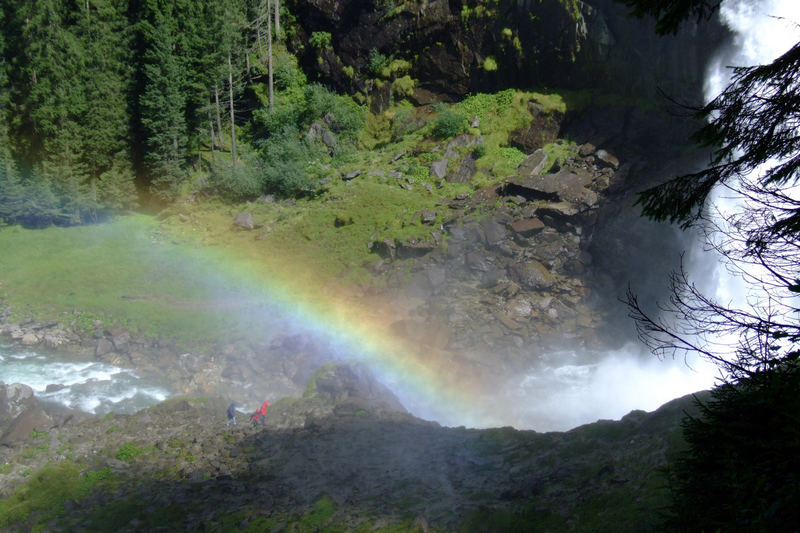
x=20, y=414
x=454, y=48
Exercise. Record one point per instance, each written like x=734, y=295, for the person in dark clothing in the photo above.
x=231, y=414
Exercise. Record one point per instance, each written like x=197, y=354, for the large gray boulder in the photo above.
x=20, y=414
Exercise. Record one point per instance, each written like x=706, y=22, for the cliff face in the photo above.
x=460, y=46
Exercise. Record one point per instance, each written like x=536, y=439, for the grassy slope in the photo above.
x=174, y=278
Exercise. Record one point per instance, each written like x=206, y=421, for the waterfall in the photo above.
x=565, y=395
x=762, y=31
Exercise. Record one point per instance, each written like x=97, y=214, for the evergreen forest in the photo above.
x=109, y=105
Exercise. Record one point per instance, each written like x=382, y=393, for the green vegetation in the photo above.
x=56, y=273
x=41, y=499
x=320, y=40
x=128, y=451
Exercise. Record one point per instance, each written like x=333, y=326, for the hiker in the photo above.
x=263, y=412
x=254, y=417
x=231, y=414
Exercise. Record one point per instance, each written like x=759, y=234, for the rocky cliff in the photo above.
x=455, y=47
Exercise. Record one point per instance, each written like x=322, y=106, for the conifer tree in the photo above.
x=161, y=104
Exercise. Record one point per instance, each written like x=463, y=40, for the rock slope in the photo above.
x=347, y=447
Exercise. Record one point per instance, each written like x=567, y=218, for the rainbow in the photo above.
x=421, y=374
x=430, y=381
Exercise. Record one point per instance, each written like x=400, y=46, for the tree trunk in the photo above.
x=219, y=118
x=277, y=20
x=213, y=140
x=269, y=56
x=233, y=128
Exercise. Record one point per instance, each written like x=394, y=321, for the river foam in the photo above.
x=89, y=386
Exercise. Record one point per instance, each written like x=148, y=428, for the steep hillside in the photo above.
x=340, y=459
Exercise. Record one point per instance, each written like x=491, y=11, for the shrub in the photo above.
x=406, y=121
x=128, y=451
x=347, y=117
x=320, y=40
x=239, y=182
x=377, y=62
x=285, y=157
x=449, y=122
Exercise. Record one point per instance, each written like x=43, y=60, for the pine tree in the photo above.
x=161, y=104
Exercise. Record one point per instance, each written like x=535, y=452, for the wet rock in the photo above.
x=103, y=347
x=121, y=341
x=29, y=339
x=20, y=413
x=607, y=158
x=494, y=232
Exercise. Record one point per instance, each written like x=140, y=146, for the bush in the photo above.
x=128, y=451
x=285, y=157
x=320, y=40
x=345, y=117
x=377, y=62
x=240, y=182
x=449, y=122
x=405, y=121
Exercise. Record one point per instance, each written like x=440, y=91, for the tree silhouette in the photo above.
x=740, y=471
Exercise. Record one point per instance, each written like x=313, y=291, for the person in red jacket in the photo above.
x=263, y=412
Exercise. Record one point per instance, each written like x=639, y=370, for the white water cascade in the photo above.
x=566, y=395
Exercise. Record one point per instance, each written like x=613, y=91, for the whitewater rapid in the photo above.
x=88, y=386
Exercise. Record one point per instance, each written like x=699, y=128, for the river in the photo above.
x=89, y=386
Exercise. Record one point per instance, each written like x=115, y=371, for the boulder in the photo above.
x=20, y=413
x=465, y=170
x=345, y=381
x=607, y=158
x=315, y=131
x=533, y=164
x=244, y=221
x=533, y=275
x=527, y=226
x=32, y=418
x=30, y=339
x=121, y=341
x=542, y=130
x=493, y=231
x=439, y=169
x=568, y=184
x=14, y=399
x=103, y=347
